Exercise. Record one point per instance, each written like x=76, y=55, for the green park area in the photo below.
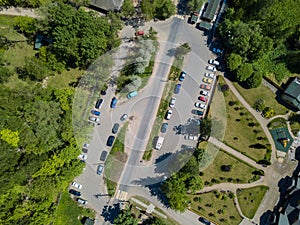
x=250, y=198
x=243, y=132
x=227, y=168
x=216, y=206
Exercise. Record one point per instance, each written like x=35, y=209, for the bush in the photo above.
x=232, y=103
x=231, y=195
x=226, y=168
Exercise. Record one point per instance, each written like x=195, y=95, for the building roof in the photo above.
x=211, y=9
x=292, y=92
x=89, y=221
x=205, y=25
x=107, y=5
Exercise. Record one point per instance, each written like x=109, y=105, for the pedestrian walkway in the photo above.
x=147, y=206
x=16, y=11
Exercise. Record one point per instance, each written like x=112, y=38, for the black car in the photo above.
x=73, y=192
x=115, y=128
x=164, y=127
x=103, y=155
x=110, y=141
x=205, y=221
x=99, y=103
x=177, y=88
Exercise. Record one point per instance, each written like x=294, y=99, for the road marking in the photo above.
x=122, y=195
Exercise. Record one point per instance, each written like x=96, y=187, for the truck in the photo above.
x=159, y=143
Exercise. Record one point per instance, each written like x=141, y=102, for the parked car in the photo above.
x=172, y=102
x=124, y=117
x=168, y=114
x=211, y=68
x=103, y=155
x=205, y=93
x=199, y=113
x=164, y=127
x=94, y=119
x=99, y=104
x=85, y=147
x=82, y=201
x=191, y=137
x=139, y=33
x=213, y=62
x=73, y=192
x=202, y=98
x=82, y=157
x=209, y=75
x=110, y=141
x=207, y=80
x=95, y=112
x=205, y=221
x=217, y=50
x=177, y=88
x=205, y=87
x=76, y=185
x=132, y=94
x=100, y=169
x=200, y=105
x=115, y=128
x=113, y=103
x=182, y=76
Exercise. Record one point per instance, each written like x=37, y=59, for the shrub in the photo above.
x=226, y=168
x=232, y=103
x=196, y=199
x=231, y=195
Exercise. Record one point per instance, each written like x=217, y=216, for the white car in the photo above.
x=213, y=62
x=76, y=185
x=172, y=102
x=168, y=114
x=191, y=137
x=94, y=119
x=200, y=105
x=81, y=201
x=211, y=68
x=82, y=157
x=210, y=75
x=205, y=93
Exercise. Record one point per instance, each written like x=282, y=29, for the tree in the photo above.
x=128, y=8
x=205, y=128
x=35, y=69
x=165, y=9
x=182, y=50
x=10, y=137
x=191, y=167
x=194, y=5
x=26, y=24
x=234, y=61
x=125, y=218
x=148, y=9
x=244, y=72
x=194, y=183
x=268, y=112
x=254, y=80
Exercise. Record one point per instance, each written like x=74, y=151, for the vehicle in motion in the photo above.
x=164, y=127
x=100, y=169
x=177, y=88
x=82, y=157
x=200, y=105
x=124, y=117
x=159, y=143
x=168, y=114
x=132, y=94
x=99, y=104
x=207, y=80
x=113, y=102
x=209, y=75
x=76, y=185
x=182, y=76
x=217, y=51
x=95, y=112
x=202, y=98
x=172, y=102
x=213, y=62
x=211, y=68
x=94, y=119
x=73, y=192
x=205, y=221
x=205, y=93
x=110, y=141
x=115, y=128
x=82, y=201
x=205, y=87
x=103, y=155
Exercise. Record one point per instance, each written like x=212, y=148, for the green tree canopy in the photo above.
x=125, y=218
x=254, y=80
x=128, y=8
x=234, y=61
x=244, y=72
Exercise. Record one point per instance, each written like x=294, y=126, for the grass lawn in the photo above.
x=242, y=129
x=217, y=207
x=240, y=172
x=262, y=92
x=65, y=78
x=295, y=127
x=68, y=211
x=250, y=198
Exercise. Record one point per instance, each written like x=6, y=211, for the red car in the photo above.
x=205, y=86
x=139, y=33
x=202, y=98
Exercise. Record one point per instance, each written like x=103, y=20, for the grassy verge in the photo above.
x=249, y=199
x=242, y=129
x=277, y=123
x=238, y=171
x=64, y=79
x=115, y=161
x=217, y=207
x=68, y=211
x=262, y=92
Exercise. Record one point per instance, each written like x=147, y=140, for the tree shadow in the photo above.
x=172, y=52
x=109, y=213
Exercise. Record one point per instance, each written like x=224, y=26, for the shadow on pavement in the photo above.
x=109, y=213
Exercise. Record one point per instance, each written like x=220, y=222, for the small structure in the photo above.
x=282, y=139
x=107, y=5
x=194, y=18
x=291, y=94
x=203, y=25
x=89, y=221
x=211, y=10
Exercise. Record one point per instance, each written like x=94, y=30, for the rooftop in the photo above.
x=211, y=9
x=292, y=92
x=107, y=5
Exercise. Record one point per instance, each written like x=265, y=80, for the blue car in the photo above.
x=177, y=88
x=95, y=112
x=217, y=50
x=113, y=103
x=182, y=76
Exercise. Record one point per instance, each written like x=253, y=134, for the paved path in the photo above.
x=16, y=11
